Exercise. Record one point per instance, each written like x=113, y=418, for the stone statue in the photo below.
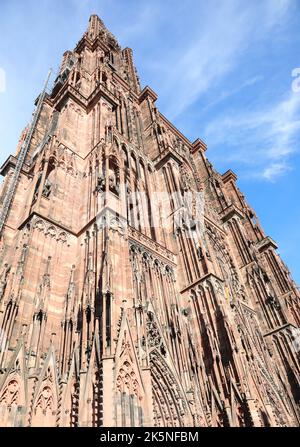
x=47, y=188
x=100, y=183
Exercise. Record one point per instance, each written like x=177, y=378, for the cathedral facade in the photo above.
x=137, y=287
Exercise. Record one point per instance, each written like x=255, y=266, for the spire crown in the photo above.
x=97, y=28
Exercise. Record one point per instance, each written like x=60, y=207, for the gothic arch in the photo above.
x=11, y=394
x=131, y=401
x=44, y=411
x=169, y=404
x=13, y=391
x=11, y=402
x=130, y=394
x=44, y=406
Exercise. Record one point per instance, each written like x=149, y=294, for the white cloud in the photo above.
x=141, y=23
x=263, y=138
x=225, y=31
x=275, y=170
x=275, y=10
x=227, y=93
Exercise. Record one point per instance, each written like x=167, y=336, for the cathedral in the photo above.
x=137, y=287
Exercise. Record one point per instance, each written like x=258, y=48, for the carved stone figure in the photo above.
x=101, y=183
x=47, y=188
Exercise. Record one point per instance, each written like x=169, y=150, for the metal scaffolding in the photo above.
x=21, y=158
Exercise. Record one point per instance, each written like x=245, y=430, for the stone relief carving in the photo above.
x=50, y=230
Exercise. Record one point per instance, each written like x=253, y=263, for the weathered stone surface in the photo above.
x=137, y=286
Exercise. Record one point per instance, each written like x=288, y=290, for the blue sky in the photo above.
x=222, y=70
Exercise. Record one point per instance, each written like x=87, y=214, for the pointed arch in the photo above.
x=13, y=391
x=169, y=405
x=131, y=400
x=45, y=400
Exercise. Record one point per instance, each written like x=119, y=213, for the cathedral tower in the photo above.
x=137, y=287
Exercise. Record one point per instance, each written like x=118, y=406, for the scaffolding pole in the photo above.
x=21, y=158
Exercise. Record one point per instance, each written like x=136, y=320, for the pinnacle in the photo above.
x=97, y=27
x=95, y=23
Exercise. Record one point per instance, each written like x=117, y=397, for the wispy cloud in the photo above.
x=142, y=22
x=275, y=11
x=206, y=65
x=227, y=29
x=228, y=93
x=263, y=138
x=275, y=170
